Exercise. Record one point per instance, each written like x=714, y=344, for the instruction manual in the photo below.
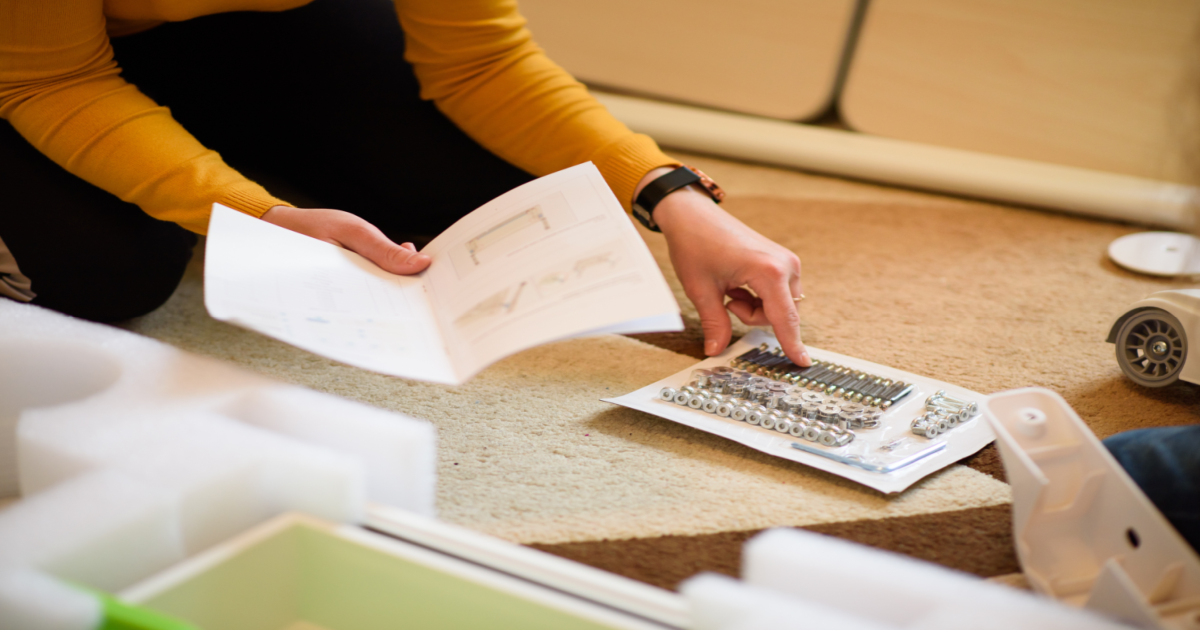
x=552, y=259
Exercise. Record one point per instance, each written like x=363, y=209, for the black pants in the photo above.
x=316, y=103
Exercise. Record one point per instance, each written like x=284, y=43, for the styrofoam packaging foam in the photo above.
x=399, y=453
x=30, y=600
x=906, y=592
x=104, y=529
x=44, y=373
x=225, y=476
x=722, y=603
x=128, y=462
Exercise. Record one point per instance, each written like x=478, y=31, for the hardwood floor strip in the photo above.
x=977, y=540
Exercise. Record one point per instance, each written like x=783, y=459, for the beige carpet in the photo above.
x=976, y=294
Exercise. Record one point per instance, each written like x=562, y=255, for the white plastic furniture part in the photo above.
x=133, y=455
x=807, y=580
x=1166, y=254
x=1085, y=533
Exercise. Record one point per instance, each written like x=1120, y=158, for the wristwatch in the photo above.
x=655, y=191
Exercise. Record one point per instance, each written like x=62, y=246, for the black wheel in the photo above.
x=1151, y=348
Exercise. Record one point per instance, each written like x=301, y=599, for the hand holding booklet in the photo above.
x=552, y=259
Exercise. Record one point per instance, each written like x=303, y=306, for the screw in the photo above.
x=1159, y=347
x=948, y=398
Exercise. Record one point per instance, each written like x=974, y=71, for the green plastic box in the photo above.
x=297, y=573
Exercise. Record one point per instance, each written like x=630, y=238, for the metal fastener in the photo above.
x=828, y=412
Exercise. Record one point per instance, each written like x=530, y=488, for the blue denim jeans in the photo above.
x=1165, y=463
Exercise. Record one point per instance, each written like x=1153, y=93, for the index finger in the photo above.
x=780, y=309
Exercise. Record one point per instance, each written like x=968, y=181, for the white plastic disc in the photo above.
x=1157, y=253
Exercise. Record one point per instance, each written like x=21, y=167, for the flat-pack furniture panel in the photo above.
x=776, y=58
x=1098, y=84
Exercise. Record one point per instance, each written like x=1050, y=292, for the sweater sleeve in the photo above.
x=62, y=91
x=478, y=63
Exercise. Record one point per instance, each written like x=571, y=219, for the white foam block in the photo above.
x=44, y=373
x=127, y=462
x=399, y=453
x=30, y=600
x=105, y=529
x=224, y=476
x=722, y=603
x=905, y=592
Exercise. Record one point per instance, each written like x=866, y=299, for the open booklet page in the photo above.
x=320, y=297
x=554, y=258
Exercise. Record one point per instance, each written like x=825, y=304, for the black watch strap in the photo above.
x=655, y=191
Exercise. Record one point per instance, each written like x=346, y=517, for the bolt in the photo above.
x=942, y=393
x=1159, y=347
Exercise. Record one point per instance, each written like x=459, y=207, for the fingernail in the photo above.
x=420, y=258
x=710, y=348
x=804, y=358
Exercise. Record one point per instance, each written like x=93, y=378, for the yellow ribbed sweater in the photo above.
x=61, y=89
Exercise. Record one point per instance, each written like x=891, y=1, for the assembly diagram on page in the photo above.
x=575, y=276
x=555, y=258
x=512, y=233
